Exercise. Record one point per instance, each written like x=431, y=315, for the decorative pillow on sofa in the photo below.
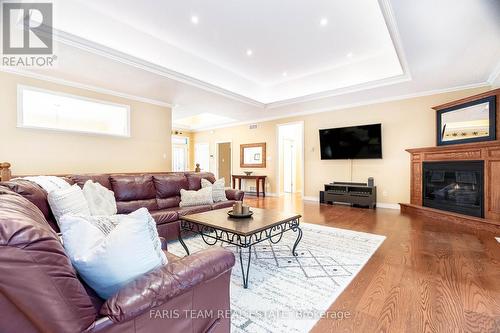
x=196, y=198
x=68, y=201
x=108, y=261
x=218, y=189
x=101, y=201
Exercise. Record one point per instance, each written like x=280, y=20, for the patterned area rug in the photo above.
x=287, y=293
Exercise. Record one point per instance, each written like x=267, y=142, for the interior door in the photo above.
x=288, y=166
x=224, y=161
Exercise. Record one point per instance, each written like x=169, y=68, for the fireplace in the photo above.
x=455, y=186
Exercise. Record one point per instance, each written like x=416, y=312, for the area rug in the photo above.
x=287, y=293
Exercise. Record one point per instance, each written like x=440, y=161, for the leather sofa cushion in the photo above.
x=36, y=195
x=194, y=179
x=190, y=210
x=102, y=179
x=223, y=204
x=37, y=271
x=165, y=216
x=168, y=202
x=125, y=207
x=170, y=185
x=136, y=187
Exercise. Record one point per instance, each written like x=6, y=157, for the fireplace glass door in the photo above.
x=454, y=186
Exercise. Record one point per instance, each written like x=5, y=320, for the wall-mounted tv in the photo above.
x=356, y=142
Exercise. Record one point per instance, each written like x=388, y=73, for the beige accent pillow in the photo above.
x=68, y=201
x=196, y=198
x=218, y=189
x=101, y=201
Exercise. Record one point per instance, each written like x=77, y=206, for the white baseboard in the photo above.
x=379, y=204
x=388, y=205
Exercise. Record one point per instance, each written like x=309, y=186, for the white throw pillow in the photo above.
x=218, y=189
x=101, y=201
x=68, y=201
x=196, y=198
x=107, y=262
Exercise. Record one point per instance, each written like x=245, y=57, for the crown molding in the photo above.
x=83, y=86
x=494, y=75
x=390, y=22
x=346, y=106
x=127, y=59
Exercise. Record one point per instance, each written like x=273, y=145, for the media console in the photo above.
x=360, y=194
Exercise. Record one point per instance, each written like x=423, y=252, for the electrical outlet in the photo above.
x=384, y=193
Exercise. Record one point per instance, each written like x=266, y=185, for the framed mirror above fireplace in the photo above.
x=473, y=121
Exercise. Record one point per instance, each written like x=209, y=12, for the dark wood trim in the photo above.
x=463, y=146
x=437, y=214
x=468, y=99
x=494, y=92
x=253, y=145
x=105, y=173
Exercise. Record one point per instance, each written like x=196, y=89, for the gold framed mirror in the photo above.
x=253, y=155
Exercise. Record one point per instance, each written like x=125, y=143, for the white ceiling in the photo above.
x=369, y=50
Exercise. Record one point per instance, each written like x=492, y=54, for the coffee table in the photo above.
x=264, y=224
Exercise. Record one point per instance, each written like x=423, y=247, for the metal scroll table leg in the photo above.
x=183, y=244
x=244, y=272
x=299, y=237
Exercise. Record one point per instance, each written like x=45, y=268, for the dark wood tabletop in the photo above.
x=260, y=220
x=249, y=176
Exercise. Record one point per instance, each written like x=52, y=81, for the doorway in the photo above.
x=180, y=153
x=202, y=156
x=291, y=158
x=224, y=162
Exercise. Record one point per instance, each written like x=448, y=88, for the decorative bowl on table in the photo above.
x=242, y=215
x=248, y=173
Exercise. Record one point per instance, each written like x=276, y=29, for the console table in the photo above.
x=258, y=179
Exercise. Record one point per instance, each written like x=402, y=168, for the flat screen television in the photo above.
x=356, y=142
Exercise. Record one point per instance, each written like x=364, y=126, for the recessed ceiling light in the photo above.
x=285, y=74
x=323, y=22
x=194, y=19
x=349, y=55
x=249, y=52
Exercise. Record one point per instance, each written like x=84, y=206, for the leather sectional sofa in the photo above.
x=158, y=192
x=41, y=292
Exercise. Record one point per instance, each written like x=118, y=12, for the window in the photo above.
x=202, y=156
x=50, y=110
x=180, y=151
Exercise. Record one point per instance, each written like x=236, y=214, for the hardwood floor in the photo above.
x=428, y=276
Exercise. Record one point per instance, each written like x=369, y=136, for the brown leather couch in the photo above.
x=41, y=292
x=158, y=192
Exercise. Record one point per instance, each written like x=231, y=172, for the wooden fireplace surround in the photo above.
x=487, y=151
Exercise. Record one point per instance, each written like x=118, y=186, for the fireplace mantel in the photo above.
x=488, y=151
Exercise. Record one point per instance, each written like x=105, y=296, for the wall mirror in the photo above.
x=469, y=122
x=253, y=155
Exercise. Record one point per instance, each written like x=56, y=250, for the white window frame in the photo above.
x=20, y=121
